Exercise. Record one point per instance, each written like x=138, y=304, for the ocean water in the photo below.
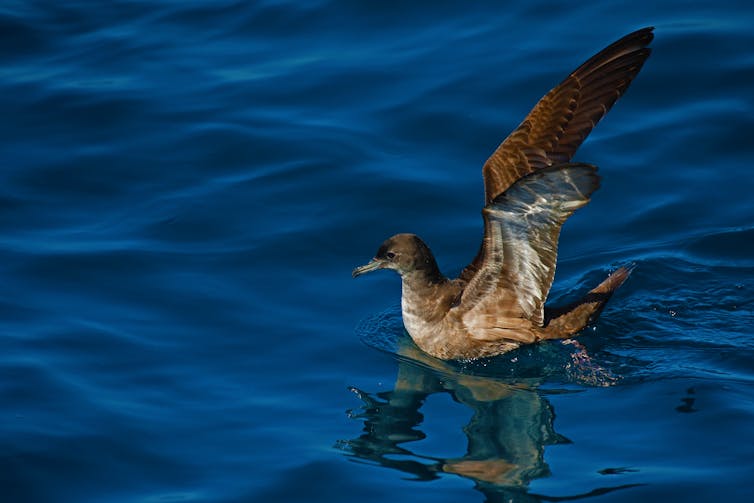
x=186, y=186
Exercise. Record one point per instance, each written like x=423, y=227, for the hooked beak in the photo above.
x=373, y=265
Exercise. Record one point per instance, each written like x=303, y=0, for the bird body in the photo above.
x=531, y=187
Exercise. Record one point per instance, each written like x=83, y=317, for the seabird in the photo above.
x=531, y=187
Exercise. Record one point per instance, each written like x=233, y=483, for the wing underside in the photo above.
x=519, y=251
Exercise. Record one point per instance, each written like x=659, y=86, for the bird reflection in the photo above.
x=511, y=424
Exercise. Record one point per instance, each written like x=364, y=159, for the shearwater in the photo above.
x=531, y=187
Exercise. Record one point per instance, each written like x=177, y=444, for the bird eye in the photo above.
x=390, y=255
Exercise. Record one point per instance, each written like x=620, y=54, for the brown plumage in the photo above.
x=531, y=188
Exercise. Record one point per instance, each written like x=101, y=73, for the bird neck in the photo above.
x=425, y=271
x=422, y=280
x=424, y=295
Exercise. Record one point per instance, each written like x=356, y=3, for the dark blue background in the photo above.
x=185, y=187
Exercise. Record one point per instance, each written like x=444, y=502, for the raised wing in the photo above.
x=564, y=117
x=520, y=247
x=560, y=122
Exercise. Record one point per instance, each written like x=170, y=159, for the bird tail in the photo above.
x=565, y=321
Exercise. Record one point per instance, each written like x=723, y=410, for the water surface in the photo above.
x=186, y=187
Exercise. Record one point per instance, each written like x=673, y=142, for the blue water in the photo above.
x=186, y=186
